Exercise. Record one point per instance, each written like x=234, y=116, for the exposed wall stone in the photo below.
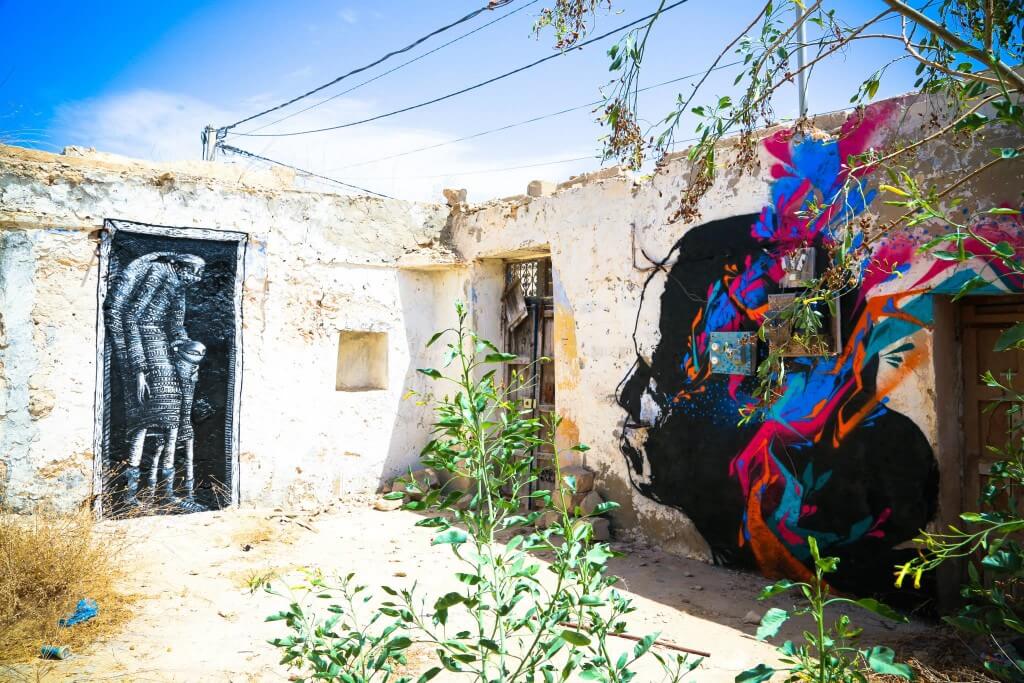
x=315, y=264
x=611, y=242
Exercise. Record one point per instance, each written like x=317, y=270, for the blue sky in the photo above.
x=142, y=79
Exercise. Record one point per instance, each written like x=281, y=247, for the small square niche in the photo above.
x=362, y=361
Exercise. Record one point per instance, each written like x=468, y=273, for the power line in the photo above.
x=251, y=155
x=674, y=144
x=524, y=122
x=490, y=6
x=472, y=87
x=393, y=70
x=487, y=170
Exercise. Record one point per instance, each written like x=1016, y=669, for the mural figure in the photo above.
x=830, y=458
x=158, y=365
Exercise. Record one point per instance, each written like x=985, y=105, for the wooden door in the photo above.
x=988, y=427
x=528, y=316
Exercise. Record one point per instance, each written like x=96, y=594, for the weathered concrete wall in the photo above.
x=315, y=264
x=663, y=431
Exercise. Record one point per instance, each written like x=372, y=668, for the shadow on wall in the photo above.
x=427, y=300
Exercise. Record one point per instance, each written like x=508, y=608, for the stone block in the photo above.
x=426, y=478
x=589, y=503
x=541, y=188
x=454, y=197
x=602, y=529
x=547, y=519
x=583, y=476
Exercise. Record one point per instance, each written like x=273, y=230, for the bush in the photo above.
x=503, y=624
x=48, y=562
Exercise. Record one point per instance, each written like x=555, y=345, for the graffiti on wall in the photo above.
x=170, y=322
x=831, y=458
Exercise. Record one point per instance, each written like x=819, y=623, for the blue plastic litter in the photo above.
x=85, y=611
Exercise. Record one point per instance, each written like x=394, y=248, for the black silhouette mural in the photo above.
x=170, y=357
x=830, y=457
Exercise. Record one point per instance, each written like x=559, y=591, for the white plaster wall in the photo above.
x=589, y=231
x=315, y=264
x=603, y=233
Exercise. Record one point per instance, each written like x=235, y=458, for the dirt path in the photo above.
x=197, y=620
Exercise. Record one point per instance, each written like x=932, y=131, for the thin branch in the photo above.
x=913, y=50
x=637, y=639
x=941, y=31
x=909, y=214
x=722, y=54
x=928, y=138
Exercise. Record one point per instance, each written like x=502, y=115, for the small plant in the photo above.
x=989, y=544
x=827, y=653
x=512, y=619
x=346, y=645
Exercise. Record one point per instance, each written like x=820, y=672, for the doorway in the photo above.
x=528, y=316
x=988, y=421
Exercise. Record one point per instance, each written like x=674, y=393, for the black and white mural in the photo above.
x=169, y=331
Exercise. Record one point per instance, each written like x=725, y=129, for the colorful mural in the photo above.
x=831, y=458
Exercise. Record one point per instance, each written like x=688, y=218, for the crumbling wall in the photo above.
x=316, y=264
x=851, y=453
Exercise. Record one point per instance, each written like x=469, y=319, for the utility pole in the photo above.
x=209, y=138
x=801, y=60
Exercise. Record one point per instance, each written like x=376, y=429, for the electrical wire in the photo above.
x=484, y=171
x=517, y=124
x=394, y=69
x=673, y=145
x=470, y=88
x=472, y=15
x=251, y=155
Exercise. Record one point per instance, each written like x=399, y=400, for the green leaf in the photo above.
x=428, y=674
x=450, y=537
x=881, y=609
x=1003, y=249
x=976, y=282
x=1010, y=338
x=645, y=644
x=1006, y=152
x=499, y=357
x=575, y=638
x=429, y=372
x=761, y=672
x=776, y=588
x=1004, y=211
x=394, y=495
x=882, y=660
x=437, y=335
x=599, y=554
x=448, y=600
x=606, y=506
x=771, y=622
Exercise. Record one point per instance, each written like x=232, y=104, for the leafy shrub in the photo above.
x=504, y=623
x=827, y=654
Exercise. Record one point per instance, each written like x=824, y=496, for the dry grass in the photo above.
x=48, y=562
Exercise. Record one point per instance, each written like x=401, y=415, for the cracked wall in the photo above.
x=315, y=264
x=637, y=292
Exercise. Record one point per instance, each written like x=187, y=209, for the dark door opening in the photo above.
x=528, y=312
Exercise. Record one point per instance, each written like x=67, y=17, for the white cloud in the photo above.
x=348, y=15
x=165, y=126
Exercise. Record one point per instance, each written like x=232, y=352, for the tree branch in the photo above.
x=909, y=214
x=941, y=31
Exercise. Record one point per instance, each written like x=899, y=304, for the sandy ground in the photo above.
x=198, y=621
